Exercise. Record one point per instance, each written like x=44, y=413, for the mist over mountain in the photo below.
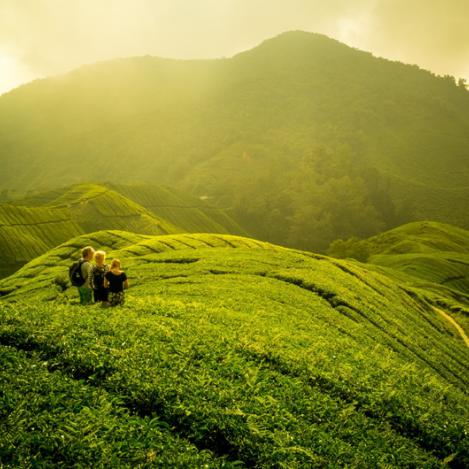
x=305, y=139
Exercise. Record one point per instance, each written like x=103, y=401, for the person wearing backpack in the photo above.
x=99, y=269
x=116, y=281
x=80, y=275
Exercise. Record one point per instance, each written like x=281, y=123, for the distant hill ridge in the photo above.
x=426, y=255
x=306, y=139
x=32, y=226
x=411, y=238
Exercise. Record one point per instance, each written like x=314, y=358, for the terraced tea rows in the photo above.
x=252, y=354
x=38, y=223
x=427, y=256
x=48, y=418
x=181, y=210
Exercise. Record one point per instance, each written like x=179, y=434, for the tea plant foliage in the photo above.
x=31, y=225
x=229, y=352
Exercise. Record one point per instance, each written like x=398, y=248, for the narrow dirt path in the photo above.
x=454, y=323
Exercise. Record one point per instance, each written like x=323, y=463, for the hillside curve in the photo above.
x=31, y=226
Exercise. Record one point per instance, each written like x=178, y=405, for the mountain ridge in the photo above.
x=291, y=130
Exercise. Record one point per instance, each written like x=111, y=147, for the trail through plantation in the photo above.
x=454, y=323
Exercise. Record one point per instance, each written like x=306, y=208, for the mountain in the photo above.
x=229, y=352
x=33, y=225
x=303, y=138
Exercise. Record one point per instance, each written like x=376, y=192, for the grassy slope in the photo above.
x=420, y=237
x=433, y=257
x=180, y=209
x=27, y=232
x=237, y=349
x=37, y=223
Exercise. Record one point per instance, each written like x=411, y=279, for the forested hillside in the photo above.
x=306, y=140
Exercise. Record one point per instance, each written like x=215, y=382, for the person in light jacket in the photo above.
x=85, y=291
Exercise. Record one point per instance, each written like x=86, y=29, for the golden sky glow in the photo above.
x=46, y=37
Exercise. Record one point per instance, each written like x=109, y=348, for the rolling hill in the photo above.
x=411, y=238
x=229, y=352
x=306, y=140
x=33, y=225
x=427, y=255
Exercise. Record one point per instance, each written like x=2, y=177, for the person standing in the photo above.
x=100, y=293
x=85, y=291
x=116, y=281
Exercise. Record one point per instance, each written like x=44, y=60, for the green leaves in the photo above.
x=257, y=356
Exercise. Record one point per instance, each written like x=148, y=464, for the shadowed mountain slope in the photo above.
x=302, y=128
x=246, y=352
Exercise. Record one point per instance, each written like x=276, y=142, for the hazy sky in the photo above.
x=45, y=37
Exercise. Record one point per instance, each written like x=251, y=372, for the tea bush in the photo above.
x=248, y=354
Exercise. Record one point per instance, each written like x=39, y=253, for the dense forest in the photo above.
x=304, y=140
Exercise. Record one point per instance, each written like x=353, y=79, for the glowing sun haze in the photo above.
x=45, y=37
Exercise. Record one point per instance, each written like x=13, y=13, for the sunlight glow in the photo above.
x=13, y=73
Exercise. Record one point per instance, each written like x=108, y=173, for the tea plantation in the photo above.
x=229, y=352
x=33, y=225
x=307, y=139
x=426, y=255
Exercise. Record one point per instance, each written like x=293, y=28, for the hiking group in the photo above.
x=97, y=282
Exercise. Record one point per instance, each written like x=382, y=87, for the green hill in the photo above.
x=180, y=209
x=33, y=225
x=229, y=352
x=306, y=140
x=412, y=238
x=427, y=255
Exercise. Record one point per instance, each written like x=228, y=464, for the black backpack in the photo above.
x=98, y=276
x=75, y=274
